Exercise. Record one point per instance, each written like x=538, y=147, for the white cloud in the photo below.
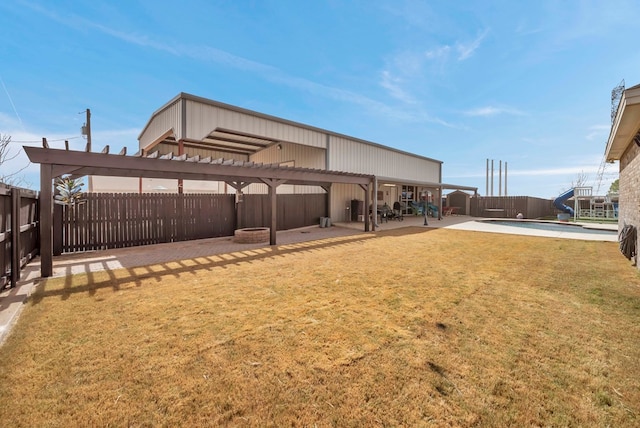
x=493, y=111
x=268, y=72
x=441, y=52
x=598, y=131
x=393, y=85
x=390, y=81
x=466, y=50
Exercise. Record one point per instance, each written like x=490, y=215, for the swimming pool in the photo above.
x=553, y=227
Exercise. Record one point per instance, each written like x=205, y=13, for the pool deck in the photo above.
x=572, y=232
x=12, y=300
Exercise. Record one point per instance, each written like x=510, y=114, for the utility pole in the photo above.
x=86, y=129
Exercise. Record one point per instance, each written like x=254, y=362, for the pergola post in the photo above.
x=46, y=214
x=440, y=202
x=374, y=204
x=274, y=214
x=15, y=236
x=367, y=202
x=273, y=196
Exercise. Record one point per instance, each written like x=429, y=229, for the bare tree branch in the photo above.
x=580, y=181
x=7, y=153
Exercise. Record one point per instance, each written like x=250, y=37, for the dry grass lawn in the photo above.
x=412, y=327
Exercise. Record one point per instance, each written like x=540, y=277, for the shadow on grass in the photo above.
x=115, y=278
x=404, y=231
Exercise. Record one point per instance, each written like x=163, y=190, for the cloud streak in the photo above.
x=466, y=50
x=267, y=72
x=493, y=111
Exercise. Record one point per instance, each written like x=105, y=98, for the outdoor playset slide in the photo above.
x=559, y=202
x=418, y=207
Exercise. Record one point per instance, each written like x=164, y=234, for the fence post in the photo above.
x=15, y=236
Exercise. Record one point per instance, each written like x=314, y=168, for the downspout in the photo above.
x=180, y=181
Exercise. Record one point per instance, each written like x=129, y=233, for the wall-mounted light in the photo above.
x=279, y=147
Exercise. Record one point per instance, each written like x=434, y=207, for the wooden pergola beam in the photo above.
x=88, y=163
x=55, y=162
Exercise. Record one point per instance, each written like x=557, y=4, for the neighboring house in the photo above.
x=624, y=146
x=190, y=125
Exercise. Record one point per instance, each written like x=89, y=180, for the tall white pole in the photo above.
x=500, y=178
x=487, y=179
x=505, y=178
x=491, y=177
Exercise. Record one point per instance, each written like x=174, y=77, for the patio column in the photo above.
x=439, y=189
x=46, y=223
x=273, y=185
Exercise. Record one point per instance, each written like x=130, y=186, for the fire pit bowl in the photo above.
x=251, y=235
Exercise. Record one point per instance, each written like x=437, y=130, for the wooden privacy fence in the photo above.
x=107, y=220
x=19, y=234
x=294, y=210
x=511, y=206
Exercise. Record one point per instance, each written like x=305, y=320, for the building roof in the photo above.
x=626, y=125
x=234, y=140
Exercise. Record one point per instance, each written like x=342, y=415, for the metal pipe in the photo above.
x=491, y=177
x=505, y=178
x=487, y=179
x=500, y=178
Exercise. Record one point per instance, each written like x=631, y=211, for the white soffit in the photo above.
x=626, y=124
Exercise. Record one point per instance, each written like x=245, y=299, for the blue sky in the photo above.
x=525, y=82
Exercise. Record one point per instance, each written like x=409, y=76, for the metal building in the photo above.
x=191, y=125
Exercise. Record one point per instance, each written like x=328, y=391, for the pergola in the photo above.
x=238, y=174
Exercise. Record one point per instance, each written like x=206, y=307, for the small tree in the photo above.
x=69, y=191
x=615, y=186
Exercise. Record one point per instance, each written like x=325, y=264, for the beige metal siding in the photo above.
x=192, y=151
x=295, y=155
x=353, y=156
x=106, y=184
x=168, y=119
x=341, y=196
x=203, y=118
